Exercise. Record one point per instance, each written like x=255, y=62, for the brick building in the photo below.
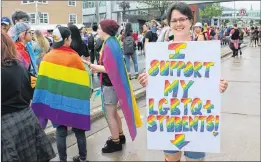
x=49, y=12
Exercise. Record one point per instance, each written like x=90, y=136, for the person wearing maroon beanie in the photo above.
x=110, y=49
x=109, y=26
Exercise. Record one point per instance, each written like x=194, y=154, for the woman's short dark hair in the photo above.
x=18, y=15
x=128, y=30
x=183, y=8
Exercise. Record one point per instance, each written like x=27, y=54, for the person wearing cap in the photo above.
x=62, y=93
x=22, y=35
x=115, y=87
x=5, y=24
x=198, y=36
x=19, y=17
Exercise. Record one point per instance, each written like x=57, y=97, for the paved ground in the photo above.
x=240, y=130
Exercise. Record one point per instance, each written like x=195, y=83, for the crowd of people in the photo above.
x=33, y=71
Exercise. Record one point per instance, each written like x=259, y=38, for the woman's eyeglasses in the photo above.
x=181, y=20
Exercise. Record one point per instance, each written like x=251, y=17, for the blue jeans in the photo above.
x=134, y=60
x=188, y=154
x=61, y=134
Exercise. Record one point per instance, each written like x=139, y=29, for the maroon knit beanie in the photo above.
x=109, y=26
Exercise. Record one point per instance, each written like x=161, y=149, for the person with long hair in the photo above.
x=62, y=94
x=41, y=46
x=115, y=87
x=129, y=50
x=77, y=43
x=22, y=137
x=180, y=19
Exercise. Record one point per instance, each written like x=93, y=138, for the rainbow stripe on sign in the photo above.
x=63, y=90
x=179, y=141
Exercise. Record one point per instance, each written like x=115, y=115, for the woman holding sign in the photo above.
x=180, y=19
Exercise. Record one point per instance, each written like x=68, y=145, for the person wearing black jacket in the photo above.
x=22, y=137
x=77, y=43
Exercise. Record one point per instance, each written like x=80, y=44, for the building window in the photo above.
x=73, y=18
x=71, y=3
x=44, y=18
x=33, y=1
x=102, y=3
x=32, y=18
x=91, y=4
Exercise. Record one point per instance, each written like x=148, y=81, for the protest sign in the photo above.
x=183, y=98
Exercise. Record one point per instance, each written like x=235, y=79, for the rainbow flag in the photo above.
x=112, y=58
x=63, y=90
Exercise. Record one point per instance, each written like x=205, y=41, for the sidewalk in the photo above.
x=139, y=91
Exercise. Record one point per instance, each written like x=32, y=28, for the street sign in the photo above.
x=242, y=12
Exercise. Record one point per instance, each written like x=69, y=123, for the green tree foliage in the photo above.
x=210, y=11
x=162, y=6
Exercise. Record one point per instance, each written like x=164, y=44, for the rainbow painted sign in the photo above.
x=183, y=98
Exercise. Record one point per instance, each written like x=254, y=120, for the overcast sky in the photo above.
x=242, y=4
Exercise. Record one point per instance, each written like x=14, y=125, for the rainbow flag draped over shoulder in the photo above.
x=112, y=58
x=63, y=90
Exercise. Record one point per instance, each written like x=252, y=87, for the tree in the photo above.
x=210, y=11
x=162, y=6
x=124, y=6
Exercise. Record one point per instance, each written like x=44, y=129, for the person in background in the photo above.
x=180, y=18
x=227, y=36
x=121, y=36
x=221, y=35
x=206, y=31
x=77, y=43
x=217, y=33
x=41, y=46
x=20, y=16
x=140, y=39
x=5, y=24
x=91, y=44
x=212, y=33
x=255, y=37
x=199, y=36
x=234, y=36
x=149, y=36
x=135, y=37
x=22, y=137
x=84, y=35
x=241, y=40
x=129, y=50
x=259, y=34
x=154, y=25
x=165, y=28
x=23, y=35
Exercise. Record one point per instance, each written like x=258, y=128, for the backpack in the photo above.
x=91, y=41
x=212, y=33
x=154, y=37
x=98, y=45
x=128, y=45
